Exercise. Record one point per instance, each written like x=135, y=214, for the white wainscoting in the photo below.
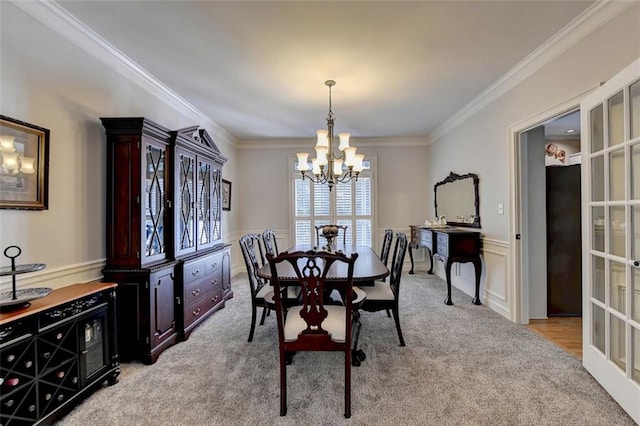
x=59, y=277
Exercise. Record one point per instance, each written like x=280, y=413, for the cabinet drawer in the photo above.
x=194, y=271
x=213, y=263
x=425, y=239
x=442, y=244
x=202, y=306
x=200, y=289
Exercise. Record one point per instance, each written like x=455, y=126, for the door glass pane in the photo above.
x=598, y=277
x=618, y=286
x=634, y=109
x=363, y=232
x=185, y=202
x=597, y=214
x=618, y=342
x=597, y=134
x=635, y=171
x=616, y=119
x=616, y=175
x=597, y=178
x=154, y=200
x=635, y=243
x=597, y=327
x=636, y=355
x=616, y=231
x=216, y=204
x=635, y=299
x=204, y=203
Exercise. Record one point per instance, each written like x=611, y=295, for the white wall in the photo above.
x=481, y=143
x=402, y=183
x=42, y=81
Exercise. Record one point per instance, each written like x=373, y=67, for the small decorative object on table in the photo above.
x=19, y=298
x=330, y=232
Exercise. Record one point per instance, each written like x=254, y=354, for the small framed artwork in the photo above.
x=226, y=195
x=24, y=165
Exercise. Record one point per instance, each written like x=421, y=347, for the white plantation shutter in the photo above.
x=321, y=203
x=348, y=204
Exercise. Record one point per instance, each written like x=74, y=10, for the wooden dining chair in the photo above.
x=383, y=296
x=251, y=247
x=313, y=325
x=342, y=229
x=270, y=243
x=386, y=246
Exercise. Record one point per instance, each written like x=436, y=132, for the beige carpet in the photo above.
x=463, y=365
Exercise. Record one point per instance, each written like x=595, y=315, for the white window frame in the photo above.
x=371, y=173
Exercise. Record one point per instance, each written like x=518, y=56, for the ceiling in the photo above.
x=258, y=68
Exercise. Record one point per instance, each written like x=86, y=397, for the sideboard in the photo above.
x=450, y=245
x=55, y=351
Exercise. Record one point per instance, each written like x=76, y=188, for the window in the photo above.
x=348, y=204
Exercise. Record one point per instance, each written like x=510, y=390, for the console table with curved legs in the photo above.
x=450, y=245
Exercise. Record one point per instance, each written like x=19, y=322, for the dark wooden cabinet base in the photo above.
x=451, y=246
x=56, y=351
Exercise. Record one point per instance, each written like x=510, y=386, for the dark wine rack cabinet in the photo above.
x=54, y=352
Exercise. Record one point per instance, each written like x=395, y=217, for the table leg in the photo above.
x=430, y=271
x=448, y=301
x=411, y=257
x=478, y=268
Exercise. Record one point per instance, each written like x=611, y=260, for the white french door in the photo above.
x=611, y=226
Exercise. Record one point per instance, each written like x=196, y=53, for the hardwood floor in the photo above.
x=565, y=332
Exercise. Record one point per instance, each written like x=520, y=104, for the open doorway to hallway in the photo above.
x=550, y=164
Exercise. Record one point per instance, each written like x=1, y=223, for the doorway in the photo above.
x=550, y=188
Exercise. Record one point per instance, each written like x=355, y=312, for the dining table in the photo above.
x=367, y=268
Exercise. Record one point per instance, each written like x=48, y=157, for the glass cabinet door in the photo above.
x=155, y=169
x=216, y=205
x=205, y=234
x=185, y=202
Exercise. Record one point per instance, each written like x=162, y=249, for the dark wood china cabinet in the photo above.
x=163, y=217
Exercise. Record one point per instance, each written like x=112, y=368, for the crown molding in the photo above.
x=306, y=144
x=584, y=24
x=56, y=18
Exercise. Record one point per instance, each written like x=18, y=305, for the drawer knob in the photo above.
x=214, y=282
x=196, y=312
x=214, y=264
x=214, y=299
x=194, y=273
x=196, y=292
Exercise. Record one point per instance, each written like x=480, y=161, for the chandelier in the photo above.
x=327, y=167
x=13, y=163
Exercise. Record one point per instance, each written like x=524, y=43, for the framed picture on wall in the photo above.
x=226, y=195
x=24, y=165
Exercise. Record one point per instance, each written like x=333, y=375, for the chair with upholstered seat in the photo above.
x=251, y=247
x=341, y=229
x=270, y=243
x=386, y=246
x=312, y=325
x=383, y=296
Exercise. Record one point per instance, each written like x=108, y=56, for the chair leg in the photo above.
x=347, y=384
x=253, y=322
x=283, y=384
x=264, y=313
x=396, y=318
x=388, y=313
